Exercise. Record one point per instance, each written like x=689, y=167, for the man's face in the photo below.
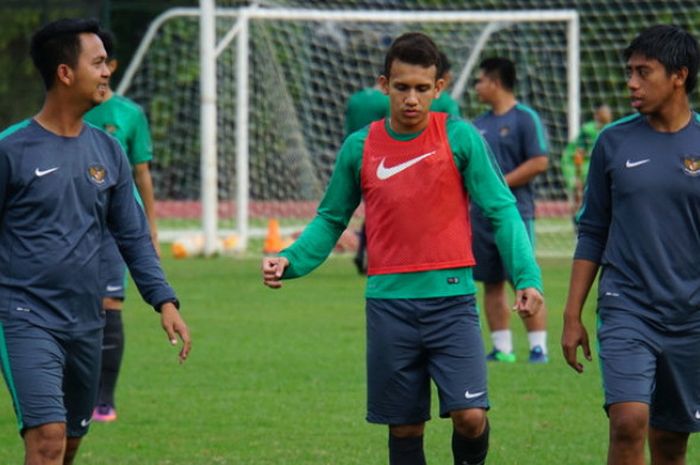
x=411, y=90
x=485, y=87
x=91, y=74
x=650, y=85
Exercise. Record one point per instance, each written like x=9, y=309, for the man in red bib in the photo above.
x=416, y=172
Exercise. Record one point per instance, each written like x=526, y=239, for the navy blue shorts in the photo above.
x=112, y=269
x=52, y=376
x=640, y=363
x=489, y=266
x=410, y=342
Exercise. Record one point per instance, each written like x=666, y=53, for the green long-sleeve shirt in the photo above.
x=485, y=185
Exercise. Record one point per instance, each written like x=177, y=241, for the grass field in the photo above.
x=278, y=378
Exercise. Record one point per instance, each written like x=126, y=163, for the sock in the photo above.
x=538, y=338
x=502, y=340
x=406, y=451
x=112, y=351
x=470, y=451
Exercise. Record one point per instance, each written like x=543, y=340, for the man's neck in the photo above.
x=60, y=117
x=673, y=116
x=503, y=103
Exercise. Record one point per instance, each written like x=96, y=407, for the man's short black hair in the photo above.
x=501, y=69
x=414, y=48
x=673, y=47
x=109, y=42
x=445, y=65
x=58, y=43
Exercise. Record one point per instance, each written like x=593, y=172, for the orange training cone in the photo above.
x=273, y=240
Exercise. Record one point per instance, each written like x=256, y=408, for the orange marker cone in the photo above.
x=273, y=239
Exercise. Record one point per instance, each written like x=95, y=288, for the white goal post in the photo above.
x=237, y=32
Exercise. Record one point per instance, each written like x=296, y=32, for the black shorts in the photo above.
x=640, y=363
x=410, y=342
x=52, y=376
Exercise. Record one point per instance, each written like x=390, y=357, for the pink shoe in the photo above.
x=104, y=413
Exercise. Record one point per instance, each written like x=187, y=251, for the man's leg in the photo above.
x=498, y=318
x=45, y=444
x=72, y=445
x=536, y=325
x=406, y=444
x=470, y=436
x=628, y=430
x=112, y=354
x=667, y=447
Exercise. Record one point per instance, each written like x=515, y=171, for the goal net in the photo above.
x=300, y=68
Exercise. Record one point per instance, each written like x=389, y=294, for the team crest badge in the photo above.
x=110, y=128
x=97, y=173
x=691, y=165
x=504, y=131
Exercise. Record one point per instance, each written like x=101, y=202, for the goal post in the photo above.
x=269, y=130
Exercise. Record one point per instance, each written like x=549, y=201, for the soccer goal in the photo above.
x=247, y=104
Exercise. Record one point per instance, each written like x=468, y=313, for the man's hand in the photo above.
x=573, y=336
x=174, y=325
x=272, y=270
x=528, y=301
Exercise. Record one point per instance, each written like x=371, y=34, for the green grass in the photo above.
x=278, y=377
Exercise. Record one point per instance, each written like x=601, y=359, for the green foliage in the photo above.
x=277, y=377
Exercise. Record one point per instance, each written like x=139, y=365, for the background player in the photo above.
x=640, y=221
x=577, y=155
x=419, y=256
x=444, y=102
x=518, y=140
x=62, y=184
x=126, y=121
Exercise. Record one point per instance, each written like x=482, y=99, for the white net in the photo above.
x=302, y=72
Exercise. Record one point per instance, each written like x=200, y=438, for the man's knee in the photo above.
x=407, y=431
x=469, y=423
x=45, y=443
x=628, y=422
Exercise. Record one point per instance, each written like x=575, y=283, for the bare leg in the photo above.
x=496, y=306
x=667, y=447
x=628, y=430
x=45, y=444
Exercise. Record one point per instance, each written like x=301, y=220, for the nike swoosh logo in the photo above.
x=469, y=395
x=385, y=173
x=113, y=288
x=632, y=164
x=697, y=414
x=84, y=422
x=41, y=173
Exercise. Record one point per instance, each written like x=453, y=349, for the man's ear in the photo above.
x=65, y=74
x=439, y=86
x=681, y=77
x=112, y=64
x=383, y=83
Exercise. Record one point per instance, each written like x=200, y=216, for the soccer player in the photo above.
x=416, y=171
x=370, y=110
x=576, y=158
x=444, y=102
x=62, y=184
x=516, y=135
x=126, y=121
x=365, y=106
x=640, y=223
